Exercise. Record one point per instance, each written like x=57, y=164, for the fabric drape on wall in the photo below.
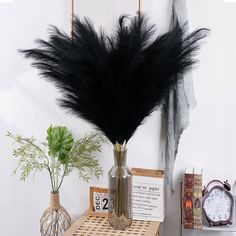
x=178, y=104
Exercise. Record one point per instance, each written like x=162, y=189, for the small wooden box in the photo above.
x=88, y=225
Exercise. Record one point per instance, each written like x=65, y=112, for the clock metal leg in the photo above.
x=181, y=230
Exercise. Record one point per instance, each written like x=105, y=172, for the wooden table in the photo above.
x=92, y=224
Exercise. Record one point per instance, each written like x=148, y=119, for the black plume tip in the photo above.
x=115, y=81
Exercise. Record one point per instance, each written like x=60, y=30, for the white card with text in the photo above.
x=148, y=198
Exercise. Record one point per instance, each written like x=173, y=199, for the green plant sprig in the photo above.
x=59, y=155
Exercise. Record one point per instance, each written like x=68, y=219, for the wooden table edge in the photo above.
x=74, y=227
x=154, y=228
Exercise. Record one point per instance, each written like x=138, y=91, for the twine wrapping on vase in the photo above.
x=55, y=220
x=55, y=201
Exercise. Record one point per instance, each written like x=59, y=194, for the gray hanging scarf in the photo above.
x=178, y=104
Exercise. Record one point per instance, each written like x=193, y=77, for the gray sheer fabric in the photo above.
x=178, y=104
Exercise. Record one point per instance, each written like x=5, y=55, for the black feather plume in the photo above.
x=115, y=82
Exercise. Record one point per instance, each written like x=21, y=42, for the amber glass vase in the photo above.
x=120, y=184
x=55, y=220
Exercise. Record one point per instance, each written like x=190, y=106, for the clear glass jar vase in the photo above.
x=55, y=220
x=120, y=193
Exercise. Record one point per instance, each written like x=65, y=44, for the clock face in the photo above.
x=218, y=205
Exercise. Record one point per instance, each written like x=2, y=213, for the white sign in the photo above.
x=148, y=198
x=9, y=1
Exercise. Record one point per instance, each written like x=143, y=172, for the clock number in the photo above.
x=105, y=207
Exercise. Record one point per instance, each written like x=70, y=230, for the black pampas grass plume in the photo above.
x=115, y=81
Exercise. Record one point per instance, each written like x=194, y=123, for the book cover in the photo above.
x=188, y=200
x=197, y=200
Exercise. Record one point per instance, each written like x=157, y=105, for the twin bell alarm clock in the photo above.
x=218, y=203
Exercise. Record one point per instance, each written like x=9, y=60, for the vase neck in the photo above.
x=55, y=201
x=120, y=157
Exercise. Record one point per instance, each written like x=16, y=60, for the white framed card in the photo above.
x=148, y=201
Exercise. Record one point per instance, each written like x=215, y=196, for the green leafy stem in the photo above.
x=59, y=155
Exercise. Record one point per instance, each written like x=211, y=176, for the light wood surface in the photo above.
x=72, y=230
x=98, y=225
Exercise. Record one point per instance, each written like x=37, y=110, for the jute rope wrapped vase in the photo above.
x=115, y=82
x=55, y=220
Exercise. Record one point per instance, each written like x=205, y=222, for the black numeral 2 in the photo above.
x=105, y=207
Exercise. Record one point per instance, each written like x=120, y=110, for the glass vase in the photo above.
x=119, y=191
x=55, y=220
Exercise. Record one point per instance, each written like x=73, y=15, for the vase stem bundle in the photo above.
x=119, y=190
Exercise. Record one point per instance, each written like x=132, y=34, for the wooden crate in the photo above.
x=90, y=225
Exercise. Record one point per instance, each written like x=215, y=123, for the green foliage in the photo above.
x=60, y=142
x=84, y=148
x=59, y=155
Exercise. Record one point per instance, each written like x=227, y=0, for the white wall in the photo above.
x=209, y=142
x=28, y=106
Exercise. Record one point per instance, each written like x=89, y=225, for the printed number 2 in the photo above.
x=105, y=207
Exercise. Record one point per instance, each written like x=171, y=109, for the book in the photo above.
x=197, y=200
x=188, y=200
